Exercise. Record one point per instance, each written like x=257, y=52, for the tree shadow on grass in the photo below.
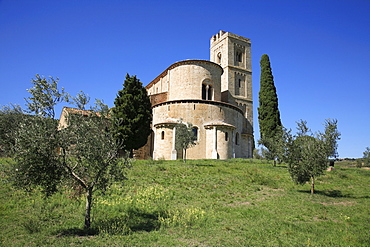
x=206, y=165
x=144, y=222
x=134, y=222
x=329, y=193
x=281, y=166
x=77, y=232
x=334, y=194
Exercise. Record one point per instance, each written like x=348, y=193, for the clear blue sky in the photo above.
x=319, y=51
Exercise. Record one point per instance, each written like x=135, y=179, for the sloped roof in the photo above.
x=220, y=123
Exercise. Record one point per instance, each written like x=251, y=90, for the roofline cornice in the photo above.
x=210, y=102
x=183, y=62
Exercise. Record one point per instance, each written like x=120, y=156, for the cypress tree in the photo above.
x=268, y=112
x=132, y=114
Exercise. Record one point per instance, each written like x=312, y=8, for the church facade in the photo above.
x=214, y=96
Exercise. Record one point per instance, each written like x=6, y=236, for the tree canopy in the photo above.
x=132, y=114
x=268, y=112
x=366, y=156
x=45, y=95
x=80, y=100
x=10, y=118
x=306, y=154
x=83, y=153
x=185, y=137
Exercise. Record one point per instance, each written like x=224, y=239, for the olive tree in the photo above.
x=45, y=95
x=80, y=100
x=366, y=157
x=185, y=137
x=83, y=152
x=10, y=117
x=89, y=154
x=307, y=154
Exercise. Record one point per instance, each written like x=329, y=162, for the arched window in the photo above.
x=219, y=57
x=237, y=139
x=226, y=136
x=239, y=56
x=195, y=132
x=209, y=93
x=162, y=135
x=204, y=91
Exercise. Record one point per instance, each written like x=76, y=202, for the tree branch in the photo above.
x=71, y=172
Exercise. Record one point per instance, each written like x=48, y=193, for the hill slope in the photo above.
x=200, y=203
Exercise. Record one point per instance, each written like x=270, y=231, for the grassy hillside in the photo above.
x=200, y=203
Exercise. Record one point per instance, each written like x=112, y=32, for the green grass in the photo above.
x=200, y=203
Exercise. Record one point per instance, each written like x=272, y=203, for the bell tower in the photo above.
x=233, y=53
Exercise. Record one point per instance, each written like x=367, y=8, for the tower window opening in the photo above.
x=219, y=57
x=162, y=135
x=226, y=136
x=239, y=56
x=237, y=139
x=246, y=87
x=240, y=84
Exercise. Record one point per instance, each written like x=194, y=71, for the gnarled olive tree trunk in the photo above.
x=89, y=192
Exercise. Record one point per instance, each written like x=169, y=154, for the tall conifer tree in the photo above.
x=268, y=111
x=132, y=114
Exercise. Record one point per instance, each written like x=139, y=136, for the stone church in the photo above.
x=214, y=96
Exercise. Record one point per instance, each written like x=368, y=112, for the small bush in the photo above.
x=359, y=163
